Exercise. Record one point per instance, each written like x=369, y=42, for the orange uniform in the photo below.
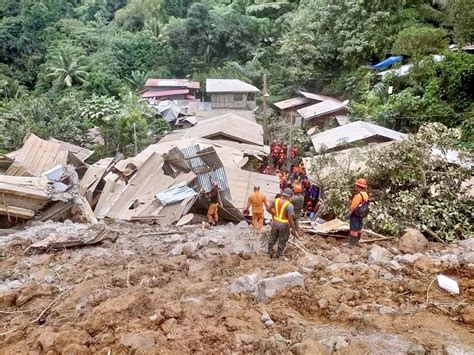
x=258, y=201
x=357, y=199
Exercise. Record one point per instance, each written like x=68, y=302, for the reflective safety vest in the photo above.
x=280, y=211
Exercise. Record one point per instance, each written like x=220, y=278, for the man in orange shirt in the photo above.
x=358, y=210
x=259, y=204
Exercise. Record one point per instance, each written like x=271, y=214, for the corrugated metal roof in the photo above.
x=321, y=108
x=352, y=132
x=36, y=156
x=184, y=83
x=316, y=97
x=79, y=152
x=230, y=125
x=165, y=93
x=228, y=86
x=175, y=194
x=242, y=182
x=286, y=104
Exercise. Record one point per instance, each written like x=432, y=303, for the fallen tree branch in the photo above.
x=428, y=290
x=51, y=304
x=373, y=234
x=161, y=233
x=435, y=236
x=21, y=311
x=376, y=240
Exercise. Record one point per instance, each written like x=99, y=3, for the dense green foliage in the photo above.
x=58, y=56
x=409, y=185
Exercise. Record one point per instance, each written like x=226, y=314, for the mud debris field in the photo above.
x=194, y=291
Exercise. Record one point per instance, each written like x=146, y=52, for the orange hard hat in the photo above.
x=361, y=182
x=297, y=189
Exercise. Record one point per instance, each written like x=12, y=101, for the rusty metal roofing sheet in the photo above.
x=184, y=83
x=79, y=152
x=165, y=93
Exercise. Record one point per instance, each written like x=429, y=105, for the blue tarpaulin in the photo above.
x=387, y=62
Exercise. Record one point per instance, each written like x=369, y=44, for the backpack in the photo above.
x=362, y=210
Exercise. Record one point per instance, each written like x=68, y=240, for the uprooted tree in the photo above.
x=419, y=181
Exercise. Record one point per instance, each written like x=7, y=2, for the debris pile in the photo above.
x=187, y=290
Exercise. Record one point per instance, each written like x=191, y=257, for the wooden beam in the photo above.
x=13, y=211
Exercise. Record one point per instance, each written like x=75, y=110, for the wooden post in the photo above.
x=265, y=117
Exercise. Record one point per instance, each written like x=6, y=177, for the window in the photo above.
x=238, y=97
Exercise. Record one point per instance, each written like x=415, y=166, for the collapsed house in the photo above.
x=40, y=181
x=164, y=182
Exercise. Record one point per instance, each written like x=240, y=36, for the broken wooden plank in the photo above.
x=13, y=211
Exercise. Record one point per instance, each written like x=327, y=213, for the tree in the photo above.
x=418, y=41
x=137, y=79
x=410, y=186
x=12, y=89
x=66, y=70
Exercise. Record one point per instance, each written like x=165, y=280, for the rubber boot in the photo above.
x=353, y=241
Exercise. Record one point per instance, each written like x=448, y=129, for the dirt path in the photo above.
x=173, y=294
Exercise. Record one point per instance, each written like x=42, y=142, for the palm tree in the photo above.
x=66, y=70
x=12, y=89
x=438, y=11
x=137, y=79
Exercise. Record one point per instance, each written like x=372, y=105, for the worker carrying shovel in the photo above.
x=283, y=212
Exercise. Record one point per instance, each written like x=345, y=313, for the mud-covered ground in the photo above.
x=147, y=293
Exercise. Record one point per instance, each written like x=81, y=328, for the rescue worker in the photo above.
x=282, y=222
x=212, y=211
x=259, y=204
x=298, y=203
x=355, y=214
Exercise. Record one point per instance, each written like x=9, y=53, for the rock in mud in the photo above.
x=409, y=258
x=7, y=298
x=323, y=303
x=31, y=290
x=246, y=283
x=468, y=315
x=341, y=258
x=467, y=244
x=245, y=339
x=137, y=342
x=169, y=325
x=335, y=343
x=467, y=258
x=309, y=347
x=412, y=241
x=268, y=287
x=75, y=349
x=309, y=263
x=385, y=310
x=173, y=310
x=416, y=350
x=379, y=256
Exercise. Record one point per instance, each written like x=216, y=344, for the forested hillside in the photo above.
x=66, y=66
